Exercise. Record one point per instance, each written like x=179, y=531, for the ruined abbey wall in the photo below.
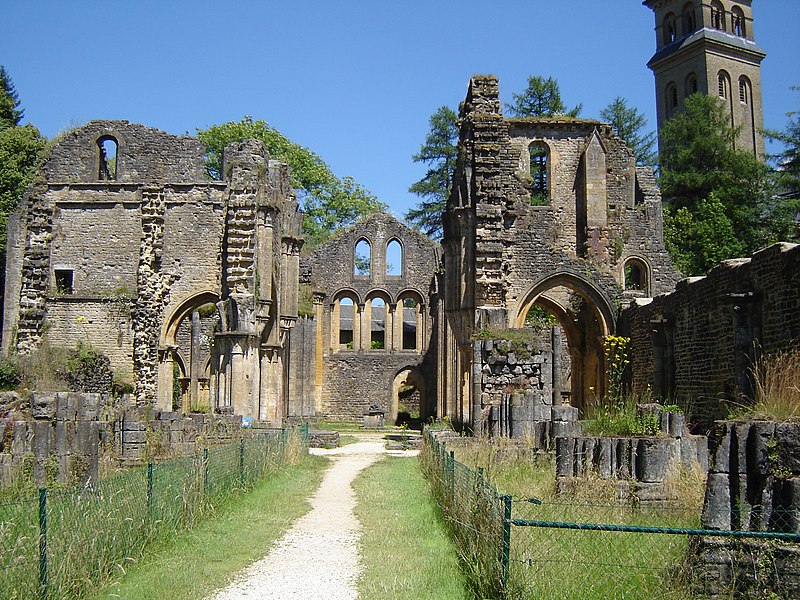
x=698, y=342
x=361, y=346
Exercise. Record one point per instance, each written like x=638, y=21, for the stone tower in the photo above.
x=708, y=46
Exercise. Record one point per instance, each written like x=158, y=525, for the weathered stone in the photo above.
x=717, y=504
x=652, y=459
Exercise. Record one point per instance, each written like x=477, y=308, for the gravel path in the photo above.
x=318, y=556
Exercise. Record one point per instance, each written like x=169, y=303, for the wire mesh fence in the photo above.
x=529, y=548
x=60, y=542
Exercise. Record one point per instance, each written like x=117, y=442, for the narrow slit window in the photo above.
x=744, y=90
x=107, y=149
x=539, y=154
x=724, y=84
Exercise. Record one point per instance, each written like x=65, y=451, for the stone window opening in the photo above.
x=539, y=155
x=691, y=84
x=671, y=99
x=717, y=16
x=744, y=90
x=346, y=314
x=377, y=324
x=737, y=22
x=107, y=147
x=689, y=22
x=724, y=85
x=362, y=258
x=411, y=315
x=64, y=279
x=394, y=259
x=670, y=31
x=636, y=276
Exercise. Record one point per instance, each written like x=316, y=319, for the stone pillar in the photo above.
x=166, y=369
x=555, y=337
x=265, y=239
x=318, y=351
x=389, y=332
x=364, y=326
x=195, y=363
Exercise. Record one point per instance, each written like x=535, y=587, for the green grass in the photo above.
x=202, y=559
x=404, y=544
x=346, y=440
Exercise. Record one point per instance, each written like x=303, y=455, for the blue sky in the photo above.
x=355, y=81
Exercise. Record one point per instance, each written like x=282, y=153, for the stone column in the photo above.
x=389, y=333
x=166, y=366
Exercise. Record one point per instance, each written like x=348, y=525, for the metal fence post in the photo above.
x=241, y=461
x=150, y=488
x=43, y=592
x=506, y=550
x=205, y=469
x=452, y=477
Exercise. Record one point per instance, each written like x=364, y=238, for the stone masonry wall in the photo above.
x=702, y=337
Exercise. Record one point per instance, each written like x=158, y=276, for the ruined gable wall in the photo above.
x=144, y=155
x=353, y=380
x=708, y=317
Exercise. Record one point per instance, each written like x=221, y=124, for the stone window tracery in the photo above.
x=539, y=156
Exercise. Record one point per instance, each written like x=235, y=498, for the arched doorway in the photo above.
x=185, y=354
x=584, y=317
x=407, y=401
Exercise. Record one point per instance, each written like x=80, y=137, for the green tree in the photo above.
x=704, y=174
x=628, y=123
x=439, y=152
x=786, y=176
x=328, y=203
x=21, y=148
x=10, y=115
x=542, y=98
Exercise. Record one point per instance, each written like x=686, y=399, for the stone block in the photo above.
x=565, y=456
x=565, y=429
x=43, y=405
x=759, y=441
x=677, y=424
x=565, y=413
x=717, y=505
x=652, y=459
x=134, y=437
x=542, y=412
x=788, y=448
x=719, y=447
x=623, y=458
x=650, y=492
x=41, y=439
x=738, y=452
x=604, y=452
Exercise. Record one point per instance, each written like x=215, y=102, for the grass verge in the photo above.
x=243, y=530
x=404, y=544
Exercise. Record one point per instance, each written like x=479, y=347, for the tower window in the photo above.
x=737, y=22
x=539, y=154
x=691, y=84
x=724, y=84
x=671, y=99
x=744, y=90
x=689, y=23
x=717, y=16
x=107, y=158
x=670, y=31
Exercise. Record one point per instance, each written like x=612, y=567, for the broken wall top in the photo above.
x=143, y=155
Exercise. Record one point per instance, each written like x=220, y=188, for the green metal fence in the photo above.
x=60, y=542
x=527, y=548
